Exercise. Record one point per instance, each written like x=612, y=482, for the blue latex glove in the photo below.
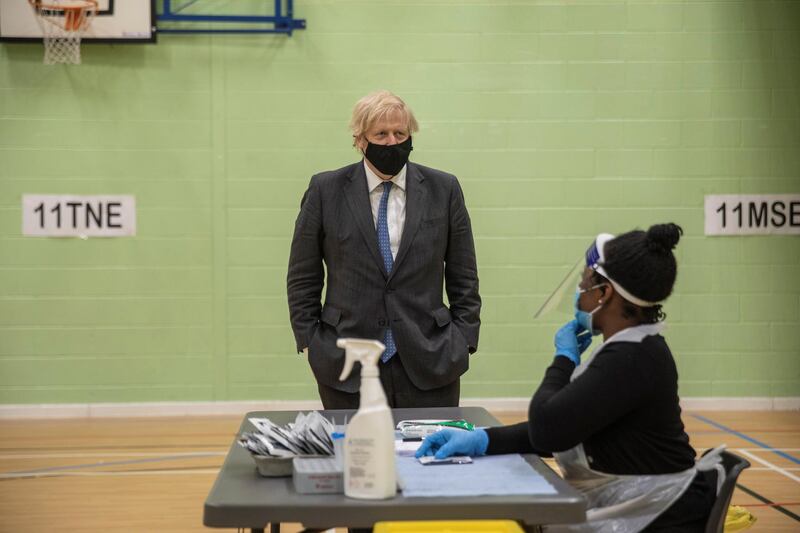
x=584, y=340
x=572, y=340
x=449, y=442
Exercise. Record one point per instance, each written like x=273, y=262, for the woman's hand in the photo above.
x=572, y=340
x=449, y=442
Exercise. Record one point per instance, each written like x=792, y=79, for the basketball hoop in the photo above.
x=63, y=23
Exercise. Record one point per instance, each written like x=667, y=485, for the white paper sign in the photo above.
x=752, y=214
x=50, y=215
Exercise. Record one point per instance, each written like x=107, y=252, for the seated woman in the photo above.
x=613, y=422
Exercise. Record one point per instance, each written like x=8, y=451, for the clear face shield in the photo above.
x=561, y=301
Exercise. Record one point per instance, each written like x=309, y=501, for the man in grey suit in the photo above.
x=391, y=235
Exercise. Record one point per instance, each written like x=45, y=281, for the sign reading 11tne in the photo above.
x=753, y=214
x=50, y=215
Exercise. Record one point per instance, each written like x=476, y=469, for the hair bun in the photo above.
x=663, y=237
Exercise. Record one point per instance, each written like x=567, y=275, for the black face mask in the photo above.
x=389, y=160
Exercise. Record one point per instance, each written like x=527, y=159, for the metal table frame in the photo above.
x=241, y=498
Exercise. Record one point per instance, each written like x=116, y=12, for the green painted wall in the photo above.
x=560, y=120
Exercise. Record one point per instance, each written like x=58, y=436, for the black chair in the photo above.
x=733, y=465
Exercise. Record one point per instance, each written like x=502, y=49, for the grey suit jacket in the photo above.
x=335, y=226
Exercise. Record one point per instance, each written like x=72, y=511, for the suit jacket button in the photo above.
x=381, y=322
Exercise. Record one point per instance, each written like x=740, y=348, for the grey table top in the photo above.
x=242, y=498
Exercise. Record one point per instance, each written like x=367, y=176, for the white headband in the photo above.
x=625, y=294
x=597, y=266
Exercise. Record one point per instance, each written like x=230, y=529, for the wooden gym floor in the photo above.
x=154, y=474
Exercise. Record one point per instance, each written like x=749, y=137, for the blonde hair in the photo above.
x=376, y=106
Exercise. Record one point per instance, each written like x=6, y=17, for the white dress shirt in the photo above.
x=395, y=208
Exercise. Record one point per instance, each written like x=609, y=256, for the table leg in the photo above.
x=273, y=528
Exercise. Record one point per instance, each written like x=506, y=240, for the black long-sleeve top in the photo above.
x=623, y=408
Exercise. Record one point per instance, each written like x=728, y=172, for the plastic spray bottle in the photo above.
x=369, y=461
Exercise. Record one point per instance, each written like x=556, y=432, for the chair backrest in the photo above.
x=733, y=465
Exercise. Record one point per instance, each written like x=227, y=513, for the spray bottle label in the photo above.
x=361, y=468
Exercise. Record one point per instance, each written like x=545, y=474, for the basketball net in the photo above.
x=63, y=23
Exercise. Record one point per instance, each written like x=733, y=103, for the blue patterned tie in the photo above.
x=388, y=262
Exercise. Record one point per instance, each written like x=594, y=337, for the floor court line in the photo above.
x=110, y=463
x=766, y=468
x=766, y=463
x=770, y=449
x=108, y=454
x=776, y=504
x=767, y=501
x=759, y=430
x=747, y=438
x=182, y=446
x=204, y=471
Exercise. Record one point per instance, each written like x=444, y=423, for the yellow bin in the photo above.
x=449, y=526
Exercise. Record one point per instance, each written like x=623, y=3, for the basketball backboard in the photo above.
x=115, y=21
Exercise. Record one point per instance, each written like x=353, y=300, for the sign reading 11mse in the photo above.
x=752, y=214
x=49, y=215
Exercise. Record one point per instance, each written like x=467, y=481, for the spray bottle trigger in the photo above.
x=348, y=360
x=364, y=351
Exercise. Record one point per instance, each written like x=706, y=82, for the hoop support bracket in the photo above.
x=282, y=21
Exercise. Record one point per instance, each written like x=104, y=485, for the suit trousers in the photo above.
x=400, y=391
